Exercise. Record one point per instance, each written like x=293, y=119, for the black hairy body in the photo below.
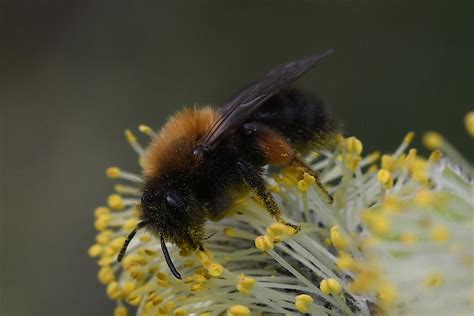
x=205, y=158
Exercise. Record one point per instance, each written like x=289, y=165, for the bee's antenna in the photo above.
x=168, y=259
x=129, y=239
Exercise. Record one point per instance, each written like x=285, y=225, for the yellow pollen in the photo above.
x=469, y=123
x=408, y=238
x=303, y=303
x=100, y=211
x=377, y=222
x=113, y=290
x=435, y=156
x=330, y=286
x=263, y=243
x=245, y=284
x=106, y=275
x=145, y=238
x=112, y=172
x=385, y=178
x=215, y=269
x=345, y=261
x=434, y=279
x=302, y=186
x=205, y=314
x=95, y=250
x=120, y=311
x=117, y=243
x=134, y=300
x=167, y=308
x=115, y=201
x=352, y=162
x=440, y=233
x=338, y=240
x=127, y=288
x=102, y=222
x=424, y=198
x=354, y=146
x=388, y=295
x=181, y=312
x=309, y=179
x=145, y=129
x=277, y=229
x=238, y=310
x=432, y=140
x=130, y=137
x=408, y=138
x=388, y=163
x=130, y=224
x=230, y=232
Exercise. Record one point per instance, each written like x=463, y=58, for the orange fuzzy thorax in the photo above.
x=172, y=147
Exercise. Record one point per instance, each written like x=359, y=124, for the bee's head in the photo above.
x=171, y=211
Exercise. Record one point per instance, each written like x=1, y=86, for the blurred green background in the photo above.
x=75, y=74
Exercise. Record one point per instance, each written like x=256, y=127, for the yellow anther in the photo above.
x=197, y=287
x=309, y=179
x=181, y=312
x=374, y=156
x=245, y=284
x=145, y=238
x=435, y=156
x=115, y=201
x=130, y=224
x=388, y=163
x=345, y=261
x=408, y=138
x=352, y=162
x=230, y=232
x=215, y=269
x=303, y=303
x=277, y=229
x=117, y=243
x=95, y=250
x=134, y=260
x=377, y=222
x=134, y=300
x=432, y=140
x=167, y=308
x=469, y=123
x=354, y=146
x=145, y=129
x=106, y=261
x=391, y=204
x=113, y=172
x=155, y=299
x=365, y=281
x=275, y=188
x=302, y=186
x=238, y=310
x=205, y=314
x=440, y=233
x=106, y=275
x=434, y=279
x=102, y=222
x=113, y=290
x=263, y=243
x=163, y=277
x=385, y=178
x=424, y=198
x=137, y=273
x=120, y=311
x=408, y=238
x=387, y=295
x=127, y=288
x=338, y=240
x=330, y=286
x=130, y=137
x=100, y=211
x=373, y=169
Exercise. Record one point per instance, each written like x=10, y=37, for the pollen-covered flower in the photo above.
x=398, y=239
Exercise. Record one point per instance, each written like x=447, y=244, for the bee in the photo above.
x=205, y=158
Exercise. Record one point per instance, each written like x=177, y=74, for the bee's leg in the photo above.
x=298, y=162
x=255, y=182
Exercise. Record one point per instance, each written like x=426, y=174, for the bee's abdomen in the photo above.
x=302, y=118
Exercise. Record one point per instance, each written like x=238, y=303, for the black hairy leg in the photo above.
x=255, y=182
x=298, y=162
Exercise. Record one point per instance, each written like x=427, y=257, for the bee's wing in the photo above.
x=237, y=109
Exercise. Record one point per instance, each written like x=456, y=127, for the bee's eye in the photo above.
x=173, y=200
